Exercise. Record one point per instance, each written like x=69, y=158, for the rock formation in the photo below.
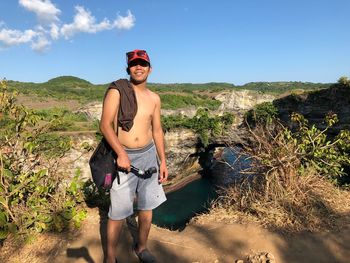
x=316, y=105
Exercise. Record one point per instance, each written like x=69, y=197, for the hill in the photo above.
x=68, y=81
x=176, y=95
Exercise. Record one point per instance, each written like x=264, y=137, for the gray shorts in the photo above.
x=149, y=192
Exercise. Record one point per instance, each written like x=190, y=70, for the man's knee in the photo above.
x=145, y=216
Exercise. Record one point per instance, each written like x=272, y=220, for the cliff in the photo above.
x=315, y=105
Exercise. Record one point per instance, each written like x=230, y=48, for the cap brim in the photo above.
x=138, y=57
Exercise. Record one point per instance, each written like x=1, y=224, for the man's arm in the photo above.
x=158, y=138
x=109, y=117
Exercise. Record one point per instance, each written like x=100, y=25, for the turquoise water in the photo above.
x=183, y=204
x=195, y=197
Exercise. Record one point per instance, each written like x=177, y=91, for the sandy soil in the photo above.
x=34, y=102
x=201, y=243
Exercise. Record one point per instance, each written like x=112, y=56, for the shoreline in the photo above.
x=183, y=182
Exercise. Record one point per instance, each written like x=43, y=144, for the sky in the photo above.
x=233, y=41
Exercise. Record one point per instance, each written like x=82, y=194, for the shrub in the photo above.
x=327, y=156
x=292, y=186
x=263, y=113
x=35, y=195
x=344, y=81
x=202, y=124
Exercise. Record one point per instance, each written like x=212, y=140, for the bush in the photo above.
x=344, y=81
x=292, y=186
x=263, y=113
x=35, y=195
x=202, y=124
x=327, y=156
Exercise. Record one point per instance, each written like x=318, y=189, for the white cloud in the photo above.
x=50, y=28
x=41, y=44
x=54, y=31
x=125, y=22
x=84, y=21
x=44, y=9
x=11, y=37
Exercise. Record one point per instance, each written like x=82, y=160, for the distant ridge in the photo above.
x=172, y=95
x=68, y=80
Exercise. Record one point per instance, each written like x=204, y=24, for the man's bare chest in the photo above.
x=145, y=108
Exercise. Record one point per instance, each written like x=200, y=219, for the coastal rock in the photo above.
x=77, y=159
x=92, y=110
x=241, y=99
x=316, y=105
x=180, y=148
x=189, y=112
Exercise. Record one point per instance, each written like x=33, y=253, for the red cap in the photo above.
x=137, y=54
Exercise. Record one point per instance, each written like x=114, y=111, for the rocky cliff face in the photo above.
x=180, y=151
x=236, y=101
x=316, y=105
x=241, y=100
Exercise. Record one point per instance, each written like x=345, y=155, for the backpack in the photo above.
x=102, y=165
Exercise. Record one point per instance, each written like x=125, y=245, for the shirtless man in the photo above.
x=140, y=147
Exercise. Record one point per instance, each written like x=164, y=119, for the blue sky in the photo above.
x=234, y=41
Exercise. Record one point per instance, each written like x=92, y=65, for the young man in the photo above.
x=138, y=146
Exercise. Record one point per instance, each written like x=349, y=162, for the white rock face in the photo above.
x=78, y=158
x=92, y=110
x=231, y=101
x=241, y=100
x=179, y=145
x=189, y=112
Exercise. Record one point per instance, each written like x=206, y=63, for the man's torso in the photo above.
x=140, y=134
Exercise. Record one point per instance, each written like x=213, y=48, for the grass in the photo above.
x=68, y=120
x=281, y=195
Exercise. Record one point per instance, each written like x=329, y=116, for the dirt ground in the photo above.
x=34, y=102
x=200, y=243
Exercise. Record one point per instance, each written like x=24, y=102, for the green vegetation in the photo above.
x=63, y=119
x=173, y=101
x=35, y=194
x=72, y=88
x=326, y=156
x=202, y=124
x=190, y=87
x=263, y=113
x=282, y=87
x=294, y=177
x=62, y=88
x=344, y=81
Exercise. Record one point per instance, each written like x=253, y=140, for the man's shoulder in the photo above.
x=119, y=84
x=154, y=96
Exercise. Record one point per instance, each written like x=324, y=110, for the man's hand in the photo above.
x=163, y=173
x=123, y=163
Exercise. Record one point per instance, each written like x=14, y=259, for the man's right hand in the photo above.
x=123, y=163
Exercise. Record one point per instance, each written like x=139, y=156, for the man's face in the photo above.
x=139, y=70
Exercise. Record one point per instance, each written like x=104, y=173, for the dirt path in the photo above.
x=212, y=242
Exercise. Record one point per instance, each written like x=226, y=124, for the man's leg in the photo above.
x=113, y=231
x=144, y=220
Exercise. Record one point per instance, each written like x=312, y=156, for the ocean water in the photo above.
x=195, y=197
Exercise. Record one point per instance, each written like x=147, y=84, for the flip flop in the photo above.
x=145, y=256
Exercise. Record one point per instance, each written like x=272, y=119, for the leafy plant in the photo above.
x=344, y=81
x=202, y=124
x=327, y=156
x=35, y=195
x=263, y=113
